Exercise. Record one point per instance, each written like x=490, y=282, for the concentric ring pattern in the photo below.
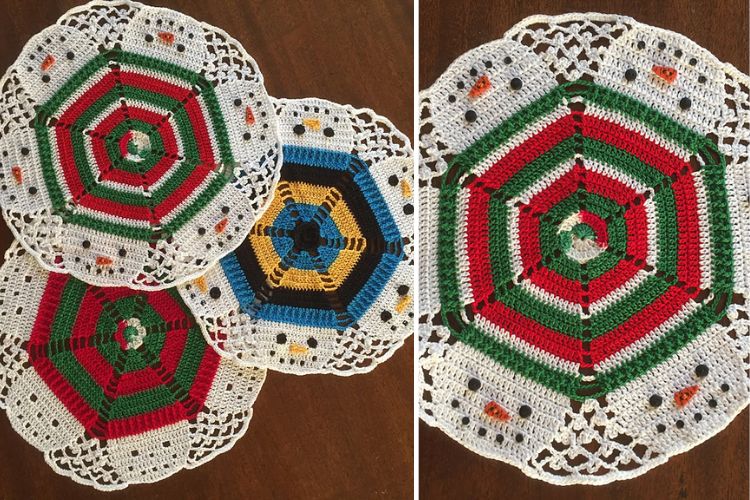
x=132, y=153
x=584, y=248
x=115, y=386
x=323, y=281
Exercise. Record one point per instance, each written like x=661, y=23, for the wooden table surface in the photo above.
x=716, y=469
x=313, y=437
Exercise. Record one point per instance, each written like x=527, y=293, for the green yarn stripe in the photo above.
x=65, y=361
x=214, y=121
x=518, y=362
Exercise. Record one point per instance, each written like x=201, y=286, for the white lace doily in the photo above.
x=115, y=386
x=137, y=145
x=323, y=283
x=584, y=247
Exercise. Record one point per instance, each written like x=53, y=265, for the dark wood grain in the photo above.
x=715, y=469
x=314, y=437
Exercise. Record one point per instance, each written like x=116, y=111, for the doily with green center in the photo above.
x=137, y=145
x=323, y=282
x=115, y=386
x=584, y=247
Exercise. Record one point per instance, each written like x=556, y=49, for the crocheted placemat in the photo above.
x=584, y=247
x=115, y=386
x=323, y=282
x=137, y=145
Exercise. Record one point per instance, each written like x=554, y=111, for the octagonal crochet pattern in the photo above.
x=115, y=386
x=323, y=281
x=138, y=146
x=584, y=247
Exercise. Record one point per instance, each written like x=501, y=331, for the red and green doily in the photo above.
x=115, y=386
x=584, y=247
x=132, y=154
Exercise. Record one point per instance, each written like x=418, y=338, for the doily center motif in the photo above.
x=135, y=146
x=583, y=236
x=324, y=247
x=144, y=164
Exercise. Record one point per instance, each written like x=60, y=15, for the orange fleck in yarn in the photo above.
x=201, y=284
x=666, y=73
x=17, y=174
x=312, y=123
x=166, y=37
x=494, y=410
x=403, y=304
x=480, y=87
x=295, y=348
x=221, y=225
x=405, y=188
x=683, y=397
x=48, y=62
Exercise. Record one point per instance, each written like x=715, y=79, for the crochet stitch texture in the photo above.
x=138, y=145
x=584, y=247
x=115, y=386
x=323, y=281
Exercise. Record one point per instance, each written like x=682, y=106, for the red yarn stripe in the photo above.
x=111, y=207
x=633, y=142
x=155, y=85
x=145, y=422
x=538, y=144
x=89, y=98
x=478, y=243
x=640, y=324
x=137, y=381
x=518, y=325
x=204, y=378
x=84, y=327
x=688, y=229
x=180, y=194
x=607, y=187
x=166, y=306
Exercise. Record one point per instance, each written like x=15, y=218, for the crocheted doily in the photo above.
x=585, y=242
x=323, y=281
x=137, y=145
x=115, y=386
